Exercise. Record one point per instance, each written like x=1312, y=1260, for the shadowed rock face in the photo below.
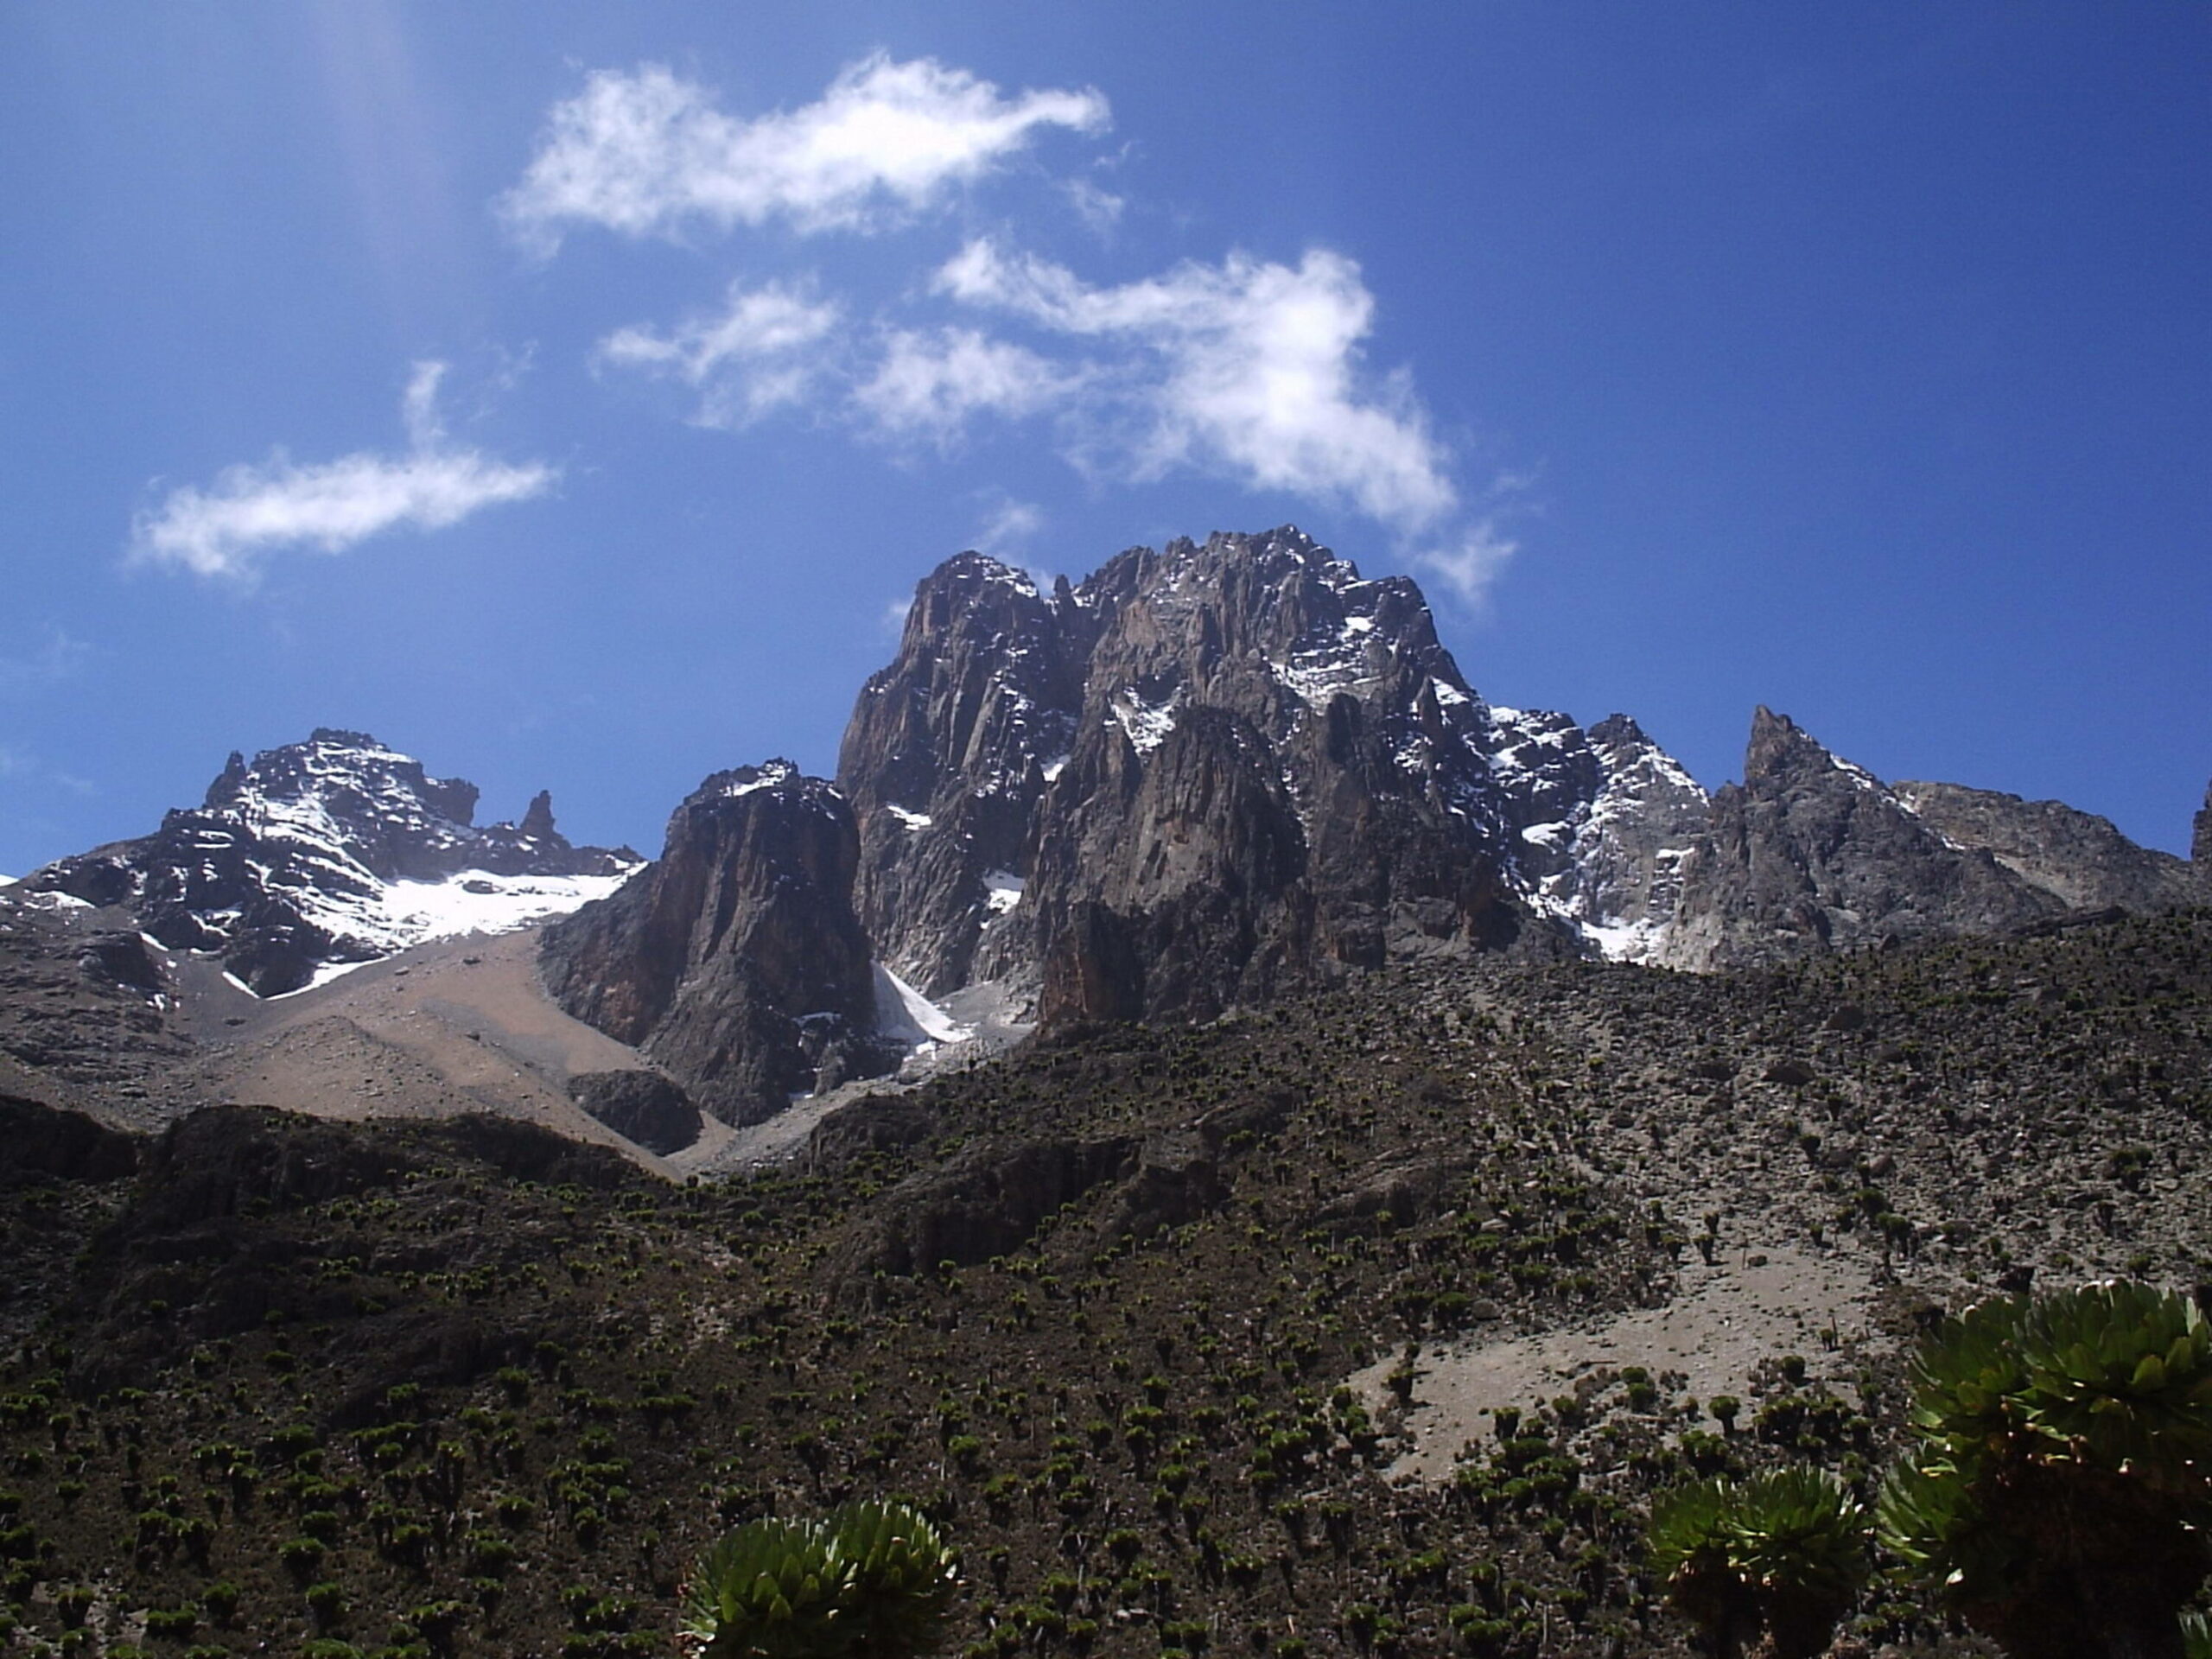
x=2200, y=850
x=51, y=1143
x=1810, y=853
x=946, y=757
x=734, y=959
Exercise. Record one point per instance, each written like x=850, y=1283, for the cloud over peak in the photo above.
x=1250, y=367
x=646, y=153
x=251, y=512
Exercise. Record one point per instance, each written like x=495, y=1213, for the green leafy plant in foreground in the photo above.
x=871, y=1580
x=1783, y=1551
x=2061, y=1483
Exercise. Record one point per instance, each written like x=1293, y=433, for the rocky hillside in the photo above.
x=1811, y=853
x=334, y=851
x=1330, y=1329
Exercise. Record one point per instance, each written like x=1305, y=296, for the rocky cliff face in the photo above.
x=1208, y=772
x=734, y=960
x=1810, y=852
x=947, y=755
x=2078, y=858
x=331, y=851
x=2200, y=847
x=1279, y=775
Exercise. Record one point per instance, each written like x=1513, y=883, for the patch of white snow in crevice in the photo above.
x=1002, y=891
x=912, y=820
x=1146, y=723
x=1860, y=776
x=1634, y=942
x=321, y=976
x=1052, y=768
x=905, y=1015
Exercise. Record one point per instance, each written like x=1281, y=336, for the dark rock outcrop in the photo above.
x=2200, y=846
x=289, y=861
x=948, y=754
x=1810, y=853
x=735, y=959
x=985, y=1201
x=50, y=1143
x=641, y=1106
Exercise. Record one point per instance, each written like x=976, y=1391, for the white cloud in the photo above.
x=252, y=512
x=757, y=355
x=418, y=407
x=931, y=386
x=1248, y=367
x=646, y=153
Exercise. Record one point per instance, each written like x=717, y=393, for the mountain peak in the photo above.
x=334, y=851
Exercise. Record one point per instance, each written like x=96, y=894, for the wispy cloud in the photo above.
x=1467, y=565
x=1247, y=367
x=647, y=153
x=757, y=353
x=1010, y=527
x=252, y=512
x=1099, y=209
x=1250, y=372
x=931, y=386
x=62, y=657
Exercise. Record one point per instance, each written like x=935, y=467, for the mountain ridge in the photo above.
x=1202, y=778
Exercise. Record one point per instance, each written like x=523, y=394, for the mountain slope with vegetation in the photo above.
x=1146, y=1320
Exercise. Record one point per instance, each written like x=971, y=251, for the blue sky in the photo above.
x=568, y=394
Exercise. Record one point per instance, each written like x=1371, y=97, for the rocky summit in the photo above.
x=1203, y=778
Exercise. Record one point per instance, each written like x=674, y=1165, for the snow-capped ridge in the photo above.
x=336, y=850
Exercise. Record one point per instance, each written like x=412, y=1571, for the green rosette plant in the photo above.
x=1785, y=1551
x=871, y=1581
x=2060, y=1480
